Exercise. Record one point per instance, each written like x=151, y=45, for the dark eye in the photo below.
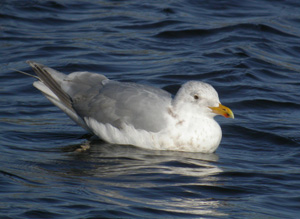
x=196, y=97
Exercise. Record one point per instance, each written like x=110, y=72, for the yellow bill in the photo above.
x=223, y=111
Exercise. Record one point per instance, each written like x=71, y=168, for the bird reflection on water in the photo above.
x=122, y=175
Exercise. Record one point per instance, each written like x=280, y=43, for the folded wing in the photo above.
x=88, y=95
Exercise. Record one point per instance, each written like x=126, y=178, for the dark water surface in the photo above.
x=248, y=50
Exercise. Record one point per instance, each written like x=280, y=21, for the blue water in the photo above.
x=248, y=50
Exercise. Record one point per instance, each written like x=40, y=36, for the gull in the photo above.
x=136, y=114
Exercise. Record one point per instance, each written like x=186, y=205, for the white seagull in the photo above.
x=136, y=114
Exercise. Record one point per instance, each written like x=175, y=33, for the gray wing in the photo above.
x=119, y=103
x=85, y=94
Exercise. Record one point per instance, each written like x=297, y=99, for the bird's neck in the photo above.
x=185, y=111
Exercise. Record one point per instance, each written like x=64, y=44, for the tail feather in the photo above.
x=46, y=78
x=49, y=84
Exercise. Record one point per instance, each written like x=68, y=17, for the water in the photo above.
x=248, y=50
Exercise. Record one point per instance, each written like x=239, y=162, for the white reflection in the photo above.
x=162, y=180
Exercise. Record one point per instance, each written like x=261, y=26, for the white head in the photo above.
x=200, y=98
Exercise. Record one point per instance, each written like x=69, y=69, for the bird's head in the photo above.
x=199, y=97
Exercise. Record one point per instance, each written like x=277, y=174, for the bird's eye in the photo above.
x=196, y=97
